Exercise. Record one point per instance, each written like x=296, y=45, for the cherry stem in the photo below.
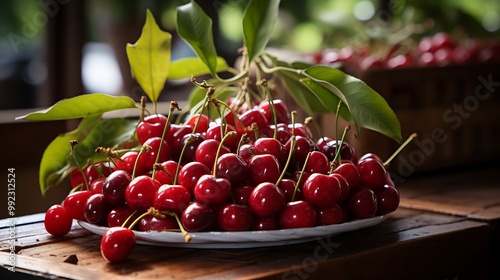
x=300, y=177
x=410, y=138
x=255, y=129
x=188, y=141
x=337, y=120
x=265, y=85
x=185, y=234
x=73, y=143
x=339, y=148
x=311, y=120
x=293, y=115
x=228, y=135
x=173, y=105
x=128, y=219
x=144, y=148
x=288, y=160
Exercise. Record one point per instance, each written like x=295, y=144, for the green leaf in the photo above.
x=57, y=162
x=193, y=66
x=81, y=106
x=258, y=24
x=366, y=107
x=195, y=27
x=149, y=58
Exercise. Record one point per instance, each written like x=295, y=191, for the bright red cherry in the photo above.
x=75, y=204
x=281, y=109
x=271, y=146
x=264, y=168
x=151, y=126
x=210, y=190
x=321, y=190
x=297, y=214
x=218, y=131
x=207, y=151
x=267, y=200
x=175, y=198
x=235, y=217
x=255, y=115
x=127, y=162
x=167, y=174
x=350, y=172
x=96, y=186
x=191, y=173
x=57, y=220
x=117, y=243
x=149, y=158
x=200, y=122
x=318, y=163
x=140, y=193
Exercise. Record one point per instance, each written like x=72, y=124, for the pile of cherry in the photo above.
x=237, y=175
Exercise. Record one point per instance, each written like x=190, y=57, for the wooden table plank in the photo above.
x=394, y=246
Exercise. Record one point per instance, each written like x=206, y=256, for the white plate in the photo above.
x=241, y=239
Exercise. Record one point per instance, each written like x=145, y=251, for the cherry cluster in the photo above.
x=440, y=49
x=244, y=172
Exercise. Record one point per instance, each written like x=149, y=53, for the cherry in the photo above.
x=362, y=203
x=140, y=193
x=317, y=163
x=347, y=151
x=57, y=220
x=335, y=214
x=271, y=146
x=232, y=167
x=200, y=120
x=267, y=199
x=191, y=142
x=96, y=185
x=387, y=200
x=154, y=223
x=75, y=204
x=217, y=132
x=442, y=40
x=321, y=190
x=235, y=217
x=297, y=214
x=321, y=142
x=190, y=173
x=345, y=188
x=427, y=59
x=198, y=217
x=207, y=150
x=265, y=223
x=175, y=198
x=299, y=129
x=246, y=152
x=373, y=173
x=369, y=156
x=254, y=115
x=118, y=215
x=148, y=159
x=167, y=173
x=400, y=61
x=96, y=209
x=241, y=194
x=151, y=126
x=264, y=168
x=282, y=112
x=117, y=243
x=303, y=146
x=176, y=139
x=288, y=188
x=127, y=162
x=114, y=187
x=350, y=172
x=211, y=190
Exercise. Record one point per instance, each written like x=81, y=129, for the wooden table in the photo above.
x=446, y=228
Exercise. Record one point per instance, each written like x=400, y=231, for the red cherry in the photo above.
x=265, y=223
x=176, y=139
x=148, y=159
x=267, y=200
x=318, y=163
x=167, y=177
x=232, y=167
x=210, y=190
x=321, y=190
x=151, y=126
x=96, y=186
x=218, y=131
x=117, y=243
x=241, y=194
x=373, y=174
x=175, y=198
x=288, y=188
x=57, y=220
x=362, y=203
x=200, y=121
x=127, y=162
x=190, y=173
x=345, y=188
x=207, y=150
x=264, y=168
x=235, y=217
x=281, y=109
x=140, y=193
x=335, y=214
x=75, y=204
x=96, y=209
x=298, y=214
x=114, y=187
x=350, y=172
x=387, y=200
x=255, y=115
x=198, y=217
x=191, y=141
x=400, y=61
x=153, y=223
x=118, y=215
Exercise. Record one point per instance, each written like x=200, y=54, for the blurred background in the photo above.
x=55, y=49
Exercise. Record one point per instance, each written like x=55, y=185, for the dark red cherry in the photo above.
x=388, y=200
x=190, y=173
x=321, y=190
x=114, y=187
x=218, y=131
x=96, y=209
x=318, y=163
x=157, y=223
x=332, y=215
x=255, y=115
x=281, y=109
x=118, y=215
x=362, y=203
x=210, y=190
x=373, y=174
x=265, y=223
x=198, y=217
x=267, y=200
x=297, y=214
x=235, y=217
x=232, y=167
x=264, y=168
x=350, y=172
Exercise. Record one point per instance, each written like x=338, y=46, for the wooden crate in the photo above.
x=454, y=110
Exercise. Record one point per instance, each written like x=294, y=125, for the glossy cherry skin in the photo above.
x=265, y=223
x=281, y=109
x=218, y=131
x=232, y=167
x=176, y=139
x=151, y=126
x=75, y=204
x=119, y=214
x=57, y=220
x=350, y=172
x=191, y=141
x=212, y=190
x=235, y=217
x=246, y=152
x=198, y=217
x=200, y=122
x=321, y=190
x=127, y=162
x=96, y=209
x=190, y=173
x=297, y=214
x=373, y=174
x=288, y=188
x=388, y=200
x=345, y=188
x=264, y=168
x=303, y=146
x=96, y=186
x=207, y=151
x=117, y=243
x=362, y=203
x=332, y=215
x=152, y=223
x=148, y=159
x=270, y=146
x=167, y=173
x=347, y=151
x=175, y=198
x=254, y=115
x=114, y=187
x=267, y=200
x=241, y=194
x=141, y=192
x=317, y=163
